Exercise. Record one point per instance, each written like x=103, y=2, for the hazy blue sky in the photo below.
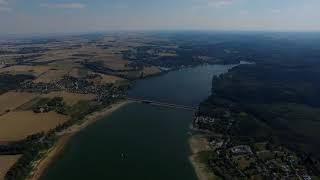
x=32, y=16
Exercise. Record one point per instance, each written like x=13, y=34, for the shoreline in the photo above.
x=64, y=137
x=197, y=145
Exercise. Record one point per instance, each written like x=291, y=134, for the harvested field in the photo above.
x=149, y=71
x=79, y=72
x=23, y=69
x=5, y=164
x=54, y=55
x=117, y=65
x=20, y=124
x=106, y=79
x=51, y=75
x=69, y=98
x=113, y=62
x=110, y=79
x=12, y=100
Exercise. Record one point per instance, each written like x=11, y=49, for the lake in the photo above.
x=185, y=87
x=140, y=141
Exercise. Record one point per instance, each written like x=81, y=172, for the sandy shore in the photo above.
x=198, y=144
x=65, y=136
x=92, y=118
x=41, y=165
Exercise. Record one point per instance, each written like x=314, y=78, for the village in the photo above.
x=232, y=157
x=76, y=85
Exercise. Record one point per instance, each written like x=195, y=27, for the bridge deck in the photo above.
x=164, y=104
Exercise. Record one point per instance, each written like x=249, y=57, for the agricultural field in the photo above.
x=149, y=71
x=6, y=162
x=50, y=76
x=70, y=98
x=79, y=57
x=23, y=69
x=106, y=79
x=17, y=125
x=114, y=62
x=12, y=100
x=49, y=82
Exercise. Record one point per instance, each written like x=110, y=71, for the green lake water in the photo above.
x=140, y=141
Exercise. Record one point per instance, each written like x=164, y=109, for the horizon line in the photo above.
x=40, y=34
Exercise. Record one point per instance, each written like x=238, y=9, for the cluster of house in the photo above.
x=200, y=121
x=39, y=87
x=242, y=160
x=241, y=149
x=70, y=84
x=216, y=143
x=285, y=167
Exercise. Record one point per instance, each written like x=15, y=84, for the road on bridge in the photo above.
x=164, y=104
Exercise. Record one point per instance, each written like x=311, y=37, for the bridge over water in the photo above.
x=164, y=104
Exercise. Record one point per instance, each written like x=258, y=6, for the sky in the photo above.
x=67, y=16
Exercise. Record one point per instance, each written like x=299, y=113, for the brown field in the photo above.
x=20, y=124
x=51, y=75
x=5, y=164
x=66, y=64
x=114, y=62
x=107, y=79
x=23, y=69
x=54, y=55
x=12, y=100
x=148, y=71
x=79, y=72
x=69, y=98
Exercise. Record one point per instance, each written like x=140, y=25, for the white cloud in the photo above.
x=64, y=5
x=219, y=3
x=3, y=2
x=4, y=6
x=204, y=4
x=121, y=6
x=244, y=12
x=275, y=11
x=5, y=9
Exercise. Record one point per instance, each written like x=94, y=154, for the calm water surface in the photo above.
x=185, y=87
x=140, y=141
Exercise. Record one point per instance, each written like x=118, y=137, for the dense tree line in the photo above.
x=34, y=148
x=278, y=100
x=10, y=82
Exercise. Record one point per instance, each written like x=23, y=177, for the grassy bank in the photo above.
x=199, y=147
